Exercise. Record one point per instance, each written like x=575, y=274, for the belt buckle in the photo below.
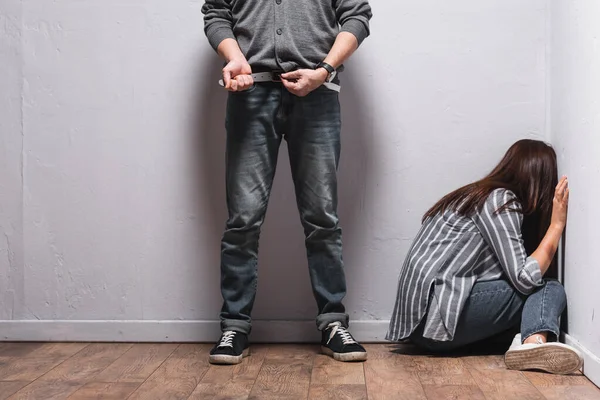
x=276, y=76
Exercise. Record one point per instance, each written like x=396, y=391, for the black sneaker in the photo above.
x=231, y=349
x=338, y=343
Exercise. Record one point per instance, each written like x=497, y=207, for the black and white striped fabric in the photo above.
x=450, y=253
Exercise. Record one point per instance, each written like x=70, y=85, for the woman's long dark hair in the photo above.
x=529, y=170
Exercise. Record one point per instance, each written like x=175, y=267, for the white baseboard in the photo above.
x=174, y=331
x=591, y=363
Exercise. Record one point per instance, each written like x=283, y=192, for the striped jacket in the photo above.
x=450, y=253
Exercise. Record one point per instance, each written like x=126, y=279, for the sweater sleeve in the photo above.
x=218, y=21
x=353, y=17
x=502, y=232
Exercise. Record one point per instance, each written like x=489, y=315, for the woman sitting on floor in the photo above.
x=468, y=276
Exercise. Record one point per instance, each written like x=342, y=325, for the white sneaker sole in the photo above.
x=222, y=359
x=345, y=357
x=556, y=358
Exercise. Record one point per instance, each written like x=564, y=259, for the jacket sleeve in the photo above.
x=354, y=16
x=502, y=231
x=218, y=21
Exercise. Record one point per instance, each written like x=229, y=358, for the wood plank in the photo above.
x=36, y=363
x=178, y=376
x=505, y=384
x=326, y=370
x=61, y=350
x=281, y=379
x=293, y=351
x=17, y=349
x=247, y=370
x=87, y=363
x=454, y=392
x=337, y=392
x=285, y=372
x=399, y=356
x=224, y=382
x=387, y=379
x=381, y=351
x=105, y=390
x=239, y=390
x=9, y=388
x=484, y=362
x=443, y=371
x=542, y=379
x=46, y=390
x=563, y=387
x=137, y=364
x=26, y=369
x=581, y=392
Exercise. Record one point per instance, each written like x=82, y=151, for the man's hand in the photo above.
x=303, y=81
x=237, y=75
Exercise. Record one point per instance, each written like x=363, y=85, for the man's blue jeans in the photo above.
x=495, y=307
x=256, y=121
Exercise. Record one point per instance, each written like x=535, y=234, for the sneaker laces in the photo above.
x=338, y=329
x=539, y=340
x=227, y=339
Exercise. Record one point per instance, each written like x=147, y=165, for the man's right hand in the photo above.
x=237, y=75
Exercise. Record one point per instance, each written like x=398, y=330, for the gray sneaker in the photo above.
x=553, y=357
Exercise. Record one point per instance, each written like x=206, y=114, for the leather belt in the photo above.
x=276, y=77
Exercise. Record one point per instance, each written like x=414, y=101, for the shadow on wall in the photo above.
x=284, y=287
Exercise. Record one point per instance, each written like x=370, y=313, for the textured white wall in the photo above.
x=122, y=136
x=11, y=145
x=575, y=110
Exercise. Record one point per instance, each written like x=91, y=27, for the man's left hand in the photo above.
x=303, y=81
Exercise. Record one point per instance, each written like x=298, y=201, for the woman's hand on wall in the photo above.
x=560, y=204
x=547, y=248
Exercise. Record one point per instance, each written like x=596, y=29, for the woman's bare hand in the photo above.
x=560, y=203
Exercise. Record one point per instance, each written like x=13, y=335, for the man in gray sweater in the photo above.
x=282, y=63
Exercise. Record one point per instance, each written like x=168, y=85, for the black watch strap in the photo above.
x=327, y=67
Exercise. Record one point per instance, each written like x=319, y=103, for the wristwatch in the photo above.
x=330, y=70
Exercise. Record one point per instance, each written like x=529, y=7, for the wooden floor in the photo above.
x=274, y=372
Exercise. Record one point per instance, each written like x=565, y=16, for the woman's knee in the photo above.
x=556, y=290
x=553, y=284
